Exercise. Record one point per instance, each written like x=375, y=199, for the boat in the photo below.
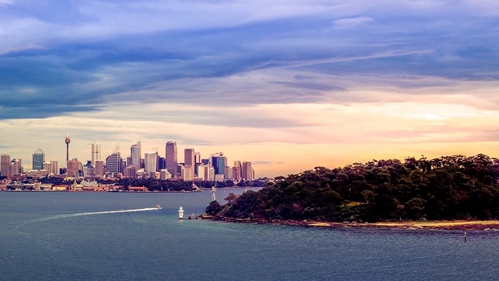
x=158, y=207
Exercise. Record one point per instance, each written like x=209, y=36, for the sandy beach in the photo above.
x=466, y=225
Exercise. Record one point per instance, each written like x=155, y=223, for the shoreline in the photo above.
x=428, y=225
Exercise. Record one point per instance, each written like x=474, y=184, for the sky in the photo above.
x=288, y=85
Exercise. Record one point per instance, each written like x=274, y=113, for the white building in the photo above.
x=150, y=162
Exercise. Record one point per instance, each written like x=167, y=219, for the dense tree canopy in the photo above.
x=449, y=187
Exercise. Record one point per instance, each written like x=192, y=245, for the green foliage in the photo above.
x=449, y=187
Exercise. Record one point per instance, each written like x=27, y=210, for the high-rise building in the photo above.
x=47, y=166
x=219, y=161
x=16, y=167
x=38, y=159
x=99, y=168
x=197, y=162
x=74, y=167
x=237, y=171
x=88, y=169
x=136, y=155
x=228, y=173
x=114, y=163
x=5, y=165
x=188, y=173
x=150, y=162
x=189, y=164
x=96, y=152
x=161, y=163
x=189, y=157
x=55, y=167
x=171, y=157
x=247, y=171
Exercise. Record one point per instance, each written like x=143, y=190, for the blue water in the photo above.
x=61, y=236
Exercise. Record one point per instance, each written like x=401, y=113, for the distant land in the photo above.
x=448, y=188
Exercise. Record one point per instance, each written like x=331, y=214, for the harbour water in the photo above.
x=112, y=236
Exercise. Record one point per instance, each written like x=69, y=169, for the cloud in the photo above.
x=351, y=22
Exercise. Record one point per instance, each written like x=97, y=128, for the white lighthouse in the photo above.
x=213, y=195
x=181, y=213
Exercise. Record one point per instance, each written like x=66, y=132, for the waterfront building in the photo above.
x=114, y=163
x=171, y=157
x=247, y=171
x=38, y=159
x=136, y=155
x=96, y=152
x=5, y=166
x=150, y=162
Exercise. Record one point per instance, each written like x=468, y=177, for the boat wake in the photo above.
x=99, y=213
x=85, y=214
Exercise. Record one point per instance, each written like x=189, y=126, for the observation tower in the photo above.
x=67, y=141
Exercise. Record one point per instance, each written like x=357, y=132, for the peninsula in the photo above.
x=450, y=191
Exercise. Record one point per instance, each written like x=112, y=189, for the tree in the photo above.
x=213, y=208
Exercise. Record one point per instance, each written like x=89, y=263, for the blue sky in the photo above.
x=256, y=79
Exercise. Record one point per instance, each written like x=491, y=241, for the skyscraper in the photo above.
x=99, y=168
x=136, y=154
x=219, y=161
x=15, y=167
x=237, y=171
x=5, y=165
x=171, y=157
x=74, y=166
x=38, y=159
x=197, y=162
x=247, y=173
x=96, y=152
x=189, y=157
x=150, y=162
x=114, y=163
x=55, y=167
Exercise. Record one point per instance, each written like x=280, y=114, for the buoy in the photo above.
x=465, y=236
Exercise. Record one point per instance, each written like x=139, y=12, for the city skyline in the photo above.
x=285, y=85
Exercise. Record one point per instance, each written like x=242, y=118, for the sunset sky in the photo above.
x=288, y=85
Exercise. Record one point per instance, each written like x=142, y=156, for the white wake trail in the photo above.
x=89, y=214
